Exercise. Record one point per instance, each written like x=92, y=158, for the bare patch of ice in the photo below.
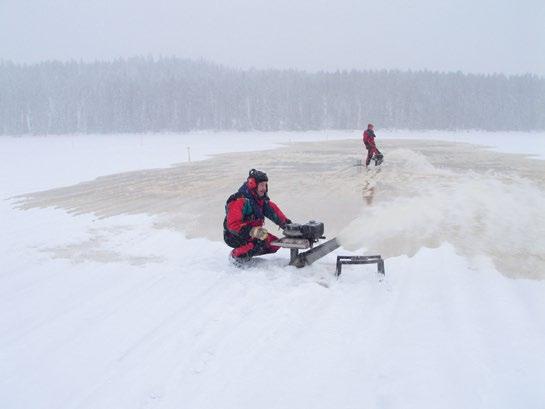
x=426, y=193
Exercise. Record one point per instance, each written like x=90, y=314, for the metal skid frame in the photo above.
x=360, y=260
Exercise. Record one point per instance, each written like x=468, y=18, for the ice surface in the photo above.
x=426, y=194
x=119, y=309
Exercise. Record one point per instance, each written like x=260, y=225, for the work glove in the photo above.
x=259, y=233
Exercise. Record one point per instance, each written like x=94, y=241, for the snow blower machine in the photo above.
x=304, y=237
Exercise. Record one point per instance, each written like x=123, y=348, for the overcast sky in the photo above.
x=484, y=36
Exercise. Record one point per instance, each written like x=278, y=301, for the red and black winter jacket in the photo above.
x=369, y=139
x=245, y=210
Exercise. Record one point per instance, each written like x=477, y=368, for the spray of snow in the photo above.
x=479, y=214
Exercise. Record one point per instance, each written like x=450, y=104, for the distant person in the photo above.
x=369, y=142
x=245, y=214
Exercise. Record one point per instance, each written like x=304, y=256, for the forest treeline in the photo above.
x=172, y=94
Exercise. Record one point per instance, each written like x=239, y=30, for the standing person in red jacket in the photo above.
x=245, y=214
x=369, y=142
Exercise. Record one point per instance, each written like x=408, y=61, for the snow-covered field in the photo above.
x=117, y=312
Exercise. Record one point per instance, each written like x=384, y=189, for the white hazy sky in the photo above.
x=506, y=36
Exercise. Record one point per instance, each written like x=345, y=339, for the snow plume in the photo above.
x=480, y=214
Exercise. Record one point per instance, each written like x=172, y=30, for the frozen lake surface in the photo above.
x=115, y=289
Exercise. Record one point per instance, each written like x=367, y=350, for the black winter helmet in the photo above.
x=258, y=176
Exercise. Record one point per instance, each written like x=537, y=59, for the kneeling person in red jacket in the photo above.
x=245, y=214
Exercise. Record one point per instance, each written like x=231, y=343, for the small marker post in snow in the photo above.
x=188, y=155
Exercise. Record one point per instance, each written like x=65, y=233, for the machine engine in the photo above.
x=310, y=231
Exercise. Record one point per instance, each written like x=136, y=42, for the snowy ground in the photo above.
x=121, y=312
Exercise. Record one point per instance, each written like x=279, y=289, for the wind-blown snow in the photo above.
x=118, y=313
x=492, y=214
